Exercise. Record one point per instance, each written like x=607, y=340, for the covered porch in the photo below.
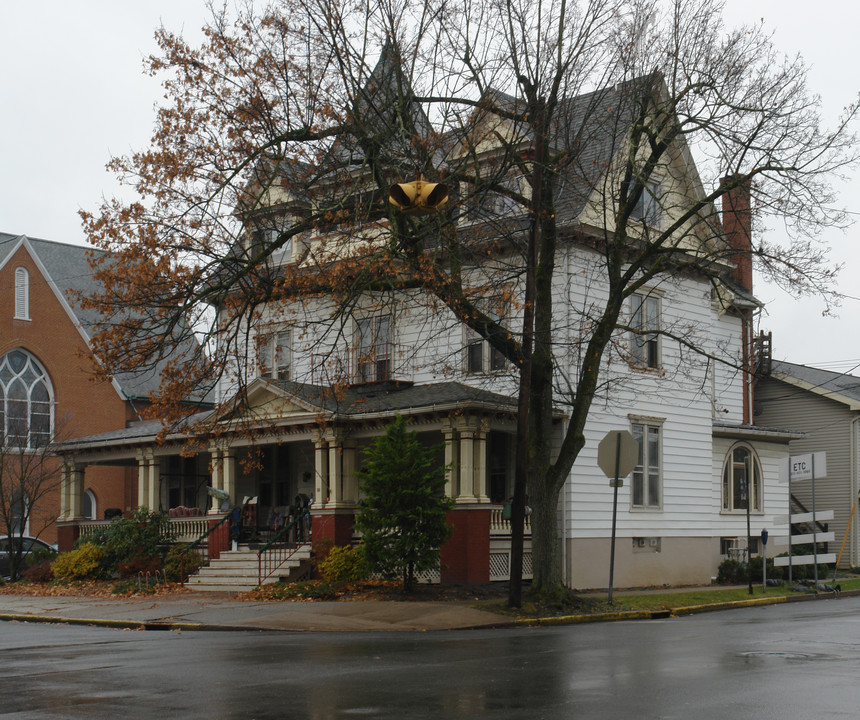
x=293, y=444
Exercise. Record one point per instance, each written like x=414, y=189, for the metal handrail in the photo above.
x=274, y=559
x=194, y=545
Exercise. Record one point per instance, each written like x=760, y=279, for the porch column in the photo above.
x=76, y=492
x=332, y=515
x=450, y=462
x=467, y=465
x=480, y=461
x=348, y=468
x=153, y=468
x=228, y=475
x=217, y=462
x=65, y=491
x=142, y=485
x=71, y=487
x=321, y=481
x=335, y=472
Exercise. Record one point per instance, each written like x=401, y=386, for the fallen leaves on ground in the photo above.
x=88, y=588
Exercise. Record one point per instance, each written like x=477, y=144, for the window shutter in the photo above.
x=22, y=294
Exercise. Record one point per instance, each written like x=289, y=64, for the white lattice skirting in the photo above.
x=500, y=565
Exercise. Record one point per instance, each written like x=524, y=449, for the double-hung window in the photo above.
x=646, y=491
x=276, y=355
x=373, y=349
x=481, y=357
x=645, y=326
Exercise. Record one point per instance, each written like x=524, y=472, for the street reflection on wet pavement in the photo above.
x=785, y=661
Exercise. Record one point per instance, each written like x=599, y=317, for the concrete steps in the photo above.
x=236, y=571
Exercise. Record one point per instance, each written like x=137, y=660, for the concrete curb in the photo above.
x=121, y=624
x=679, y=611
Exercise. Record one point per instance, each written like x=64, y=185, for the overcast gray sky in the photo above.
x=72, y=93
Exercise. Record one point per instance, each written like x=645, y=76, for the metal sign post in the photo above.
x=617, y=455
x=790, y=582
x=814, y=528
x=764, y=561
x=614, y=515
x=810, y=466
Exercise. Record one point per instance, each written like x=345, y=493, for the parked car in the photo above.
x=29, y=545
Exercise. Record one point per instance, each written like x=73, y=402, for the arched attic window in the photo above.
x=26, y=401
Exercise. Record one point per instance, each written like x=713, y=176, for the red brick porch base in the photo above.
x=67, y=533
x=334, y=525
x=466, y=556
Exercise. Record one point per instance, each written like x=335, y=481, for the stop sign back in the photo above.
x=618, y=445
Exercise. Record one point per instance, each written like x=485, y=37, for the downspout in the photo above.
x=853, y=467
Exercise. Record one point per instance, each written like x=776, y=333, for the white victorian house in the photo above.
x=322, y=381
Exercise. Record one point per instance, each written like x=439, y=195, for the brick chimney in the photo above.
x=737, y=225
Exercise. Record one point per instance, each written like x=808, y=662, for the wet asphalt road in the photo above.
x=787, y=661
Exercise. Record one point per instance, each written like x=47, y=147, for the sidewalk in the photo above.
x=218, y=611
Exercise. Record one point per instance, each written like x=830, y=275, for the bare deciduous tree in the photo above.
x=28, y=478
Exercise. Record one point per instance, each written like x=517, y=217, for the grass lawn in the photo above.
x=707, y=596
x=589, y=605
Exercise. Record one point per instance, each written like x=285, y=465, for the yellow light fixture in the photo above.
x=418, y=197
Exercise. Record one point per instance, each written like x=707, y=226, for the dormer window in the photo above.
x=22, y=294
x=488, y=204
x=647, y=208
x=268, y=232
x=284, y=254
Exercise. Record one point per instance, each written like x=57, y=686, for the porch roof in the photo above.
x=393, y=397
x=356, y=402
x=755, y=432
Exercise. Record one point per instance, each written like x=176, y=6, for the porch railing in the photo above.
x=203, y=545
x=184, y=529
x=282, y=546
x=500, y=525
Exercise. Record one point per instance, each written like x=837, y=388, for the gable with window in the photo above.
x=645, y=326
x=26, y=401
x=372, y=349
x=742, y=481
x=276, y=354
x=647, y=486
